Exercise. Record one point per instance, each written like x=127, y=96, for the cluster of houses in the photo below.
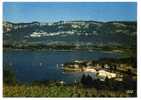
x=102, y=71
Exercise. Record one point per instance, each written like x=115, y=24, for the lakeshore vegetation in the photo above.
x=86, y=87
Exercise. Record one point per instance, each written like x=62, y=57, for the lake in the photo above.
x=42, y=65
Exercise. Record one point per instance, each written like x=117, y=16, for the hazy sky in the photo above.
x=50, y=12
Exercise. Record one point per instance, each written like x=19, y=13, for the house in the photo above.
x=89, y=63
x=76, y=66
x=106, y=66
x=98, y=66
x=111, y=75
x=62, y=82
x=119, y=79
x=102, y=74
x=90, y=70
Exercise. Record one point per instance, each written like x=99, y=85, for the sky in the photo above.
x=53, y=11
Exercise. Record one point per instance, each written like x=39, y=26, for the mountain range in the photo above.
x=120, y=33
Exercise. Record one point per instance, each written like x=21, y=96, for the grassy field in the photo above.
x=58, y=91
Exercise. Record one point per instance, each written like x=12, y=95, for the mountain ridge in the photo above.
x=71, y=32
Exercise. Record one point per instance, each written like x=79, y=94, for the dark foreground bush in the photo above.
x=9, y=76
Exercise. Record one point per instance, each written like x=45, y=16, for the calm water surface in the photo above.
x=42, y=65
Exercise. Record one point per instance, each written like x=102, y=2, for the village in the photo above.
x=105, y=70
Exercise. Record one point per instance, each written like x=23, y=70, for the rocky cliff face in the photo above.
x=71, y=32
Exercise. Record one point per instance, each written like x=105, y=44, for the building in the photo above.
x=102, y=74
x=90, y=70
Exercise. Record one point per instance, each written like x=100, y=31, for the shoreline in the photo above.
x=62, y=50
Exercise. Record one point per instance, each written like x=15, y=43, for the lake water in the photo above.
x=42, y=65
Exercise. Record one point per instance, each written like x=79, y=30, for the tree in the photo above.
x=83, y=79
x=9, y=76
x=87, y=80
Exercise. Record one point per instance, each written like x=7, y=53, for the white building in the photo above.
x=102, y=74
x=90, y=70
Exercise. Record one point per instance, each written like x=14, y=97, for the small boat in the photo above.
x=62, y=64
x=57, y=65
x=41, y=64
